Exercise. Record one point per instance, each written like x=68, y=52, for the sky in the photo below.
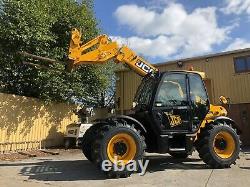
x=163, y=30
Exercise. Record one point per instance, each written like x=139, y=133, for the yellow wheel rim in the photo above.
x=121, y=147
x=224, y=145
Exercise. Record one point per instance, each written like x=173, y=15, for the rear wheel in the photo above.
x=218, y=145
x=119, y=144
x=69, y=143
x=89, y=138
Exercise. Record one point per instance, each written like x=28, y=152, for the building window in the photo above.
x=242, y=64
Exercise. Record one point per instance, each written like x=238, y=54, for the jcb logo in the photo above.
x=146, y=68
x=174, y=120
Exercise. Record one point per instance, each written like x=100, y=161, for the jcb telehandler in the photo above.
x=171, y=114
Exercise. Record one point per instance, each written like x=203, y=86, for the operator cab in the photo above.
x=172, y=103
x=177, y=99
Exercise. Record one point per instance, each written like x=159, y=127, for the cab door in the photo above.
x=198, y=99
x=171, y=108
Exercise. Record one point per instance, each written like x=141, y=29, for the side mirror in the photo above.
x=223, y=100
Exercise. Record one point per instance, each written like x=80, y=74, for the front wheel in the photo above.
x=218, y=145
x=119, y=145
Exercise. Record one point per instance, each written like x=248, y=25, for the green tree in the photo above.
x=42, y=27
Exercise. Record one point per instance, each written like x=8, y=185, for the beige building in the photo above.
x=227, y=74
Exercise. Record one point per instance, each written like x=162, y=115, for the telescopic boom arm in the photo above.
x=105, y=49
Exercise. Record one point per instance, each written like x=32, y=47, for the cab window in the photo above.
x=198, y=97
x=197, y=90
x=145, y=91
x=172, y=91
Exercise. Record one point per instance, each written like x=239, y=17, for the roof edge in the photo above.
x=205, y=56
x=196, y=58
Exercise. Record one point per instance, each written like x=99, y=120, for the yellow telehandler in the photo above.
x=171, y=114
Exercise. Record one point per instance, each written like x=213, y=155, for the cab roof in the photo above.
x=202, y=74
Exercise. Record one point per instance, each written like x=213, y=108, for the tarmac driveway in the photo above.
x=71, y=169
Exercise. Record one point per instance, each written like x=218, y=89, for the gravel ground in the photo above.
x=19, y=156
x=37, y=153
x=70, y=168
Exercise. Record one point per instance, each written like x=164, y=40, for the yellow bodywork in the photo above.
x=214, y=111
x=101, y=49
x=105, y=49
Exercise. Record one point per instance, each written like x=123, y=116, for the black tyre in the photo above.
x=218, y=145
x=122, y=142
x=88, y=139
x=179, y=155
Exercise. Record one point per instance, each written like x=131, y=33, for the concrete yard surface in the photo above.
x=72, y=169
